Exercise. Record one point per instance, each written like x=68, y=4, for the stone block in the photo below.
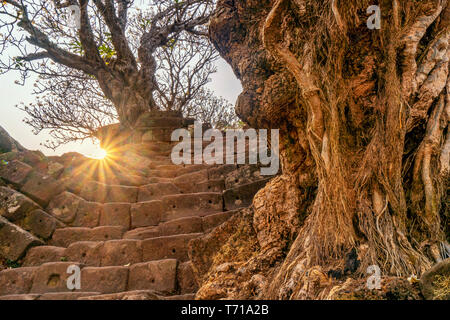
x=64, y=207
x=43, y=254
x=86, y=252
x=39, y=223
x=144, y=214
x=88, y=214
x=156, y=190
x=242, y=196
x=94, y=191
x=214, y=220
x=16, y=281
x=15, y=172
x=52, y=277
x=14, y=241
x=170, y=247
x=121, y=252
x=155, y=275
x=116, y=214
x=119, y=193
x=142, y=233
x=186, y=278
x=104, y=280
x=188, y=205
x=14, y=205
x=41, y=188
x=181, y=226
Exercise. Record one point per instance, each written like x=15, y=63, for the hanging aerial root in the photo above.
x=411, y=40
x=310, y=92
x=341, y=25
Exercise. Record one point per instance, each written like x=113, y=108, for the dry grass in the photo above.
x=442, y=285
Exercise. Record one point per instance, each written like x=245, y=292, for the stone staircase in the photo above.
x=125, y=221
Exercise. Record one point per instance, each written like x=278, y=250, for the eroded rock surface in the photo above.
x=352, y=175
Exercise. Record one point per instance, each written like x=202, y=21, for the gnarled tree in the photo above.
x=120, y=59
x=365, y=144
x=71, y=106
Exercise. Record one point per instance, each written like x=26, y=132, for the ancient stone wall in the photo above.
x=126, y=221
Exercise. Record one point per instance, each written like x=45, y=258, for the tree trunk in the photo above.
x=131, y=93
x=363, y=117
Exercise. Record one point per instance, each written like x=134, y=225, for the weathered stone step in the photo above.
x=14, y=241
x=186, y=280
x=27, y=214
x=52, y=278
x=16, y=281
x=174, y=227
x=18, y=297
x=188, y=205
x=102, y=193
x=75, y=182
x=119, y=178
x=104, y=279
x=245, y=174
x=75, y=211
x=182, y=169
x=180, y=226
x=160, y=162
x=99, y=192
x=66, y=295
x=171, y=207
x=89, y=253
x=242, y=196
x=221, y=171
x=15, y=205
x=158, y=159
x=170, y=247
x=48, y=278
x=205, y=186
x=41, y=188
x=198, y=176
x=154, y=173
x=66, y=236
x=43, y=254
x=30, y=182
x=134, y=161
x=159, y=276
x=143, y=233
x=145, y=214
x=212, y=221
x=121, y=252
x=108, y=253
x=116, y=214
x=156, y=191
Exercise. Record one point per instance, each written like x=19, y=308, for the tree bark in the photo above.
x=131, y=94
x=363, y=116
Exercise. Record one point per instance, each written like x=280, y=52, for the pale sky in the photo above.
x=224, y=83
